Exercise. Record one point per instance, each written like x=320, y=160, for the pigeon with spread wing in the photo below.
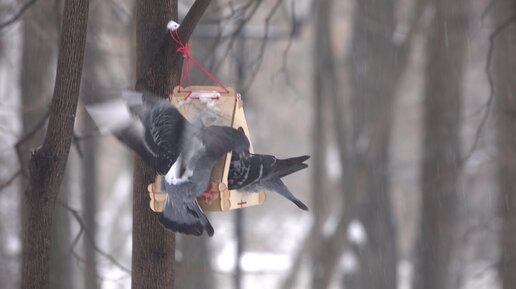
x=184, y=152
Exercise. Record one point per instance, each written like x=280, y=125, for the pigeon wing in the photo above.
x=146, y=123
x=182, y=212
x=164, y=127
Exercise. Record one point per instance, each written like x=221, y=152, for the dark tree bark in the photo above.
x=47, y=164
x=158, y=68
x=441, y=144
x=89, y=203
x=153, y=247
x=323, y=76
x=194, y=268
x=505, y=88
x=375, y=73
x=61, y=273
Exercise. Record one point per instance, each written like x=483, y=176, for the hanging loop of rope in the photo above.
x=185, y=50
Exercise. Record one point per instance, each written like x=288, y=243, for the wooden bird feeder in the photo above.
x=219, y=106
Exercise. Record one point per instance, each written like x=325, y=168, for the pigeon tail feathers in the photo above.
x=279, y=187
x=286, y=167
x=186, y=218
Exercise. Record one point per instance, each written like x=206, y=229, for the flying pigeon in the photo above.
x=184, y=152
x=254, y=172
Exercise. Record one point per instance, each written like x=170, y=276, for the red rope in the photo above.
x=185, y=50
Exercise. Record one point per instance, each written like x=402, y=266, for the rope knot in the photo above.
x=185, y=50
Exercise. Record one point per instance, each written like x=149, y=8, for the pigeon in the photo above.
x=183, y=152
x=145, y=123
x=254, y=172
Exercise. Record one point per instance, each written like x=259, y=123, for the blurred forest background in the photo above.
x=407, y=107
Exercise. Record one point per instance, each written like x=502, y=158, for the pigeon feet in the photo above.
x=209, y=195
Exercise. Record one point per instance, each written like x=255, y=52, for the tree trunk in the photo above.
x=377, y=66
x=505, y=87
x=158, y=69
x=38, y=54
x=194, y=267
x=60, y=258
x=375, y=72
x=153, y=246
x=322, y=77
x=95, y=63
x=89, y=202
x=47, y=164
x=441, y=144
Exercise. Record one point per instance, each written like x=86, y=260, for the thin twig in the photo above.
x=26, y=137
x=233, y=36
x=77, y=145
x=11, y=179
x=490, y=80
x=284, y=67
x=18, y=14
x=90, y=239
x=263, y=47
x=78, y=138
x=29, y=134
x=488, y=8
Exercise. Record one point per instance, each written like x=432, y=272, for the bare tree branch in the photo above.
x=10, y=180
x=284, y=66
x=84, y=230
x=192, y=18
x=27, y=137
x=492, y=90
x=259, y=59
x=17, y=15
x=486, y=11
x=47, y=164
x=167, y=55
x=244, y=19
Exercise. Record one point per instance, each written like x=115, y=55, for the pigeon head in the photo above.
x=219, y=140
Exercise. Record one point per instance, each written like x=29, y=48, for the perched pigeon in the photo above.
x=254, y=172
x=164, y=138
